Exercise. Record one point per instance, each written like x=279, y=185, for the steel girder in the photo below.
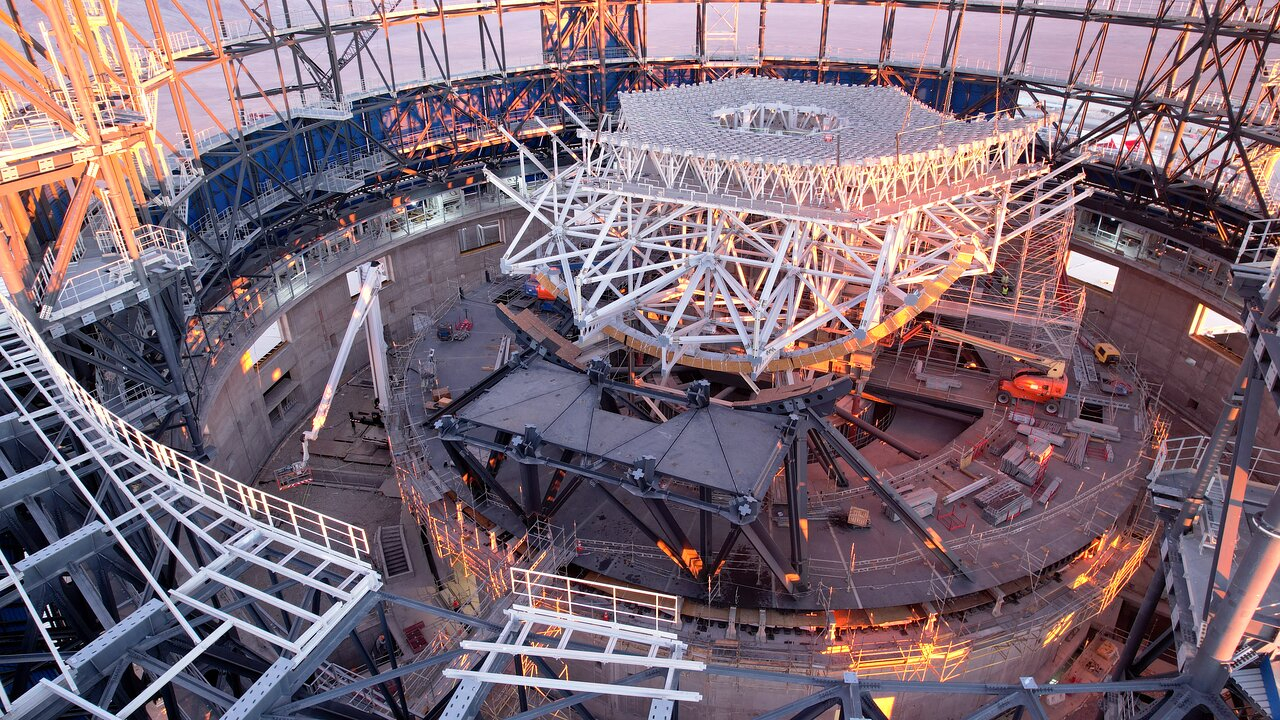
x=587, y=45
x=79, y=151
x=739, y=263
x=322, y=110
x=123, y=554
x=540, y=461
x=607, y=37
x=117, y=552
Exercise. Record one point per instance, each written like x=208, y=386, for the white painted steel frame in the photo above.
x=551, y=612
x=245, y=536
x=732, y=262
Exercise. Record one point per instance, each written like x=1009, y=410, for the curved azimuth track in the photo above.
x=750, y=225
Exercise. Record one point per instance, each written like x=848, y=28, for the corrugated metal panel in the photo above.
x=1249, y=680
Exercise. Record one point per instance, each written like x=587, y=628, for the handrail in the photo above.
x=189, y=475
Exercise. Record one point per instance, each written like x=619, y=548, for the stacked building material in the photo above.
x=1039, y=449
x=996, y=491
x=1025, y=463
x=920, y=500
x=1002, y=502
x=1075, y=454
x=1096, y=429
x=1012, y=458
x=1047, y=492
x=1034, y=433
x=967, y=490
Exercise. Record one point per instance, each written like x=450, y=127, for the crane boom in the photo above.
x=366, y=308
x=1052, y=367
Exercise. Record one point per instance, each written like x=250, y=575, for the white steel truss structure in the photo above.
x=750, y=224
x=554, y=615
x=135, y=565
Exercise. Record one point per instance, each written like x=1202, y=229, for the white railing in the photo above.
x=124, y=397
x=1186, y=453
x=1260, y=242
x=330, y=676
x=46, y=267
x=40, y=133
x=157, y=246
x=188, y=474
x=84, y=288
x=587, y=599
x=322, y=107
x=589, y=55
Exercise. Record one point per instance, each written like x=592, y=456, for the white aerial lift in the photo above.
x=367, y=312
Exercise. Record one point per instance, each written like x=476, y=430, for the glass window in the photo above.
x=479, y=235
x=273, y=337
x=1208, y=323
x=1216, y=330
x=1092, y=271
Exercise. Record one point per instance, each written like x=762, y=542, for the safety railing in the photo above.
x=971, y=644
x=1260, y=242
x=46, y=267
x=1190, y=266
x=1187, y=453
x=255, y=300
x=588, y=55
x=159, y=248
x=168, y=464
x=122, y=396
x=587, y=599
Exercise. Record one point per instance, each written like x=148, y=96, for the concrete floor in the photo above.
x=362, y=490
x=355, y=484
x=891, y=567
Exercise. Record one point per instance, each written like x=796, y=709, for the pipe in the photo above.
x=935, y=411
x=1209, y=668
x=879, y=434
x=1155, y=590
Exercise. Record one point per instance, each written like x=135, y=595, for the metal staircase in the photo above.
x=168, y=555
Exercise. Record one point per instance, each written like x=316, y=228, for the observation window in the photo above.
x=1210, y=323
x=1092, y=271
x=1104, y=227
x=274, y=337
x=479, y=235
x=1215, y=330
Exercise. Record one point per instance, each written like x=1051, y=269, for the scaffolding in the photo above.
x=478, y=550
x=166, y=550
x=1025, y=301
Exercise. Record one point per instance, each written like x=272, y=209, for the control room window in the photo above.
x=274, y=337
x=1092, y=271
x=1214, y=329
x=353, y=276
x=1104, y=227
x=474, y=237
